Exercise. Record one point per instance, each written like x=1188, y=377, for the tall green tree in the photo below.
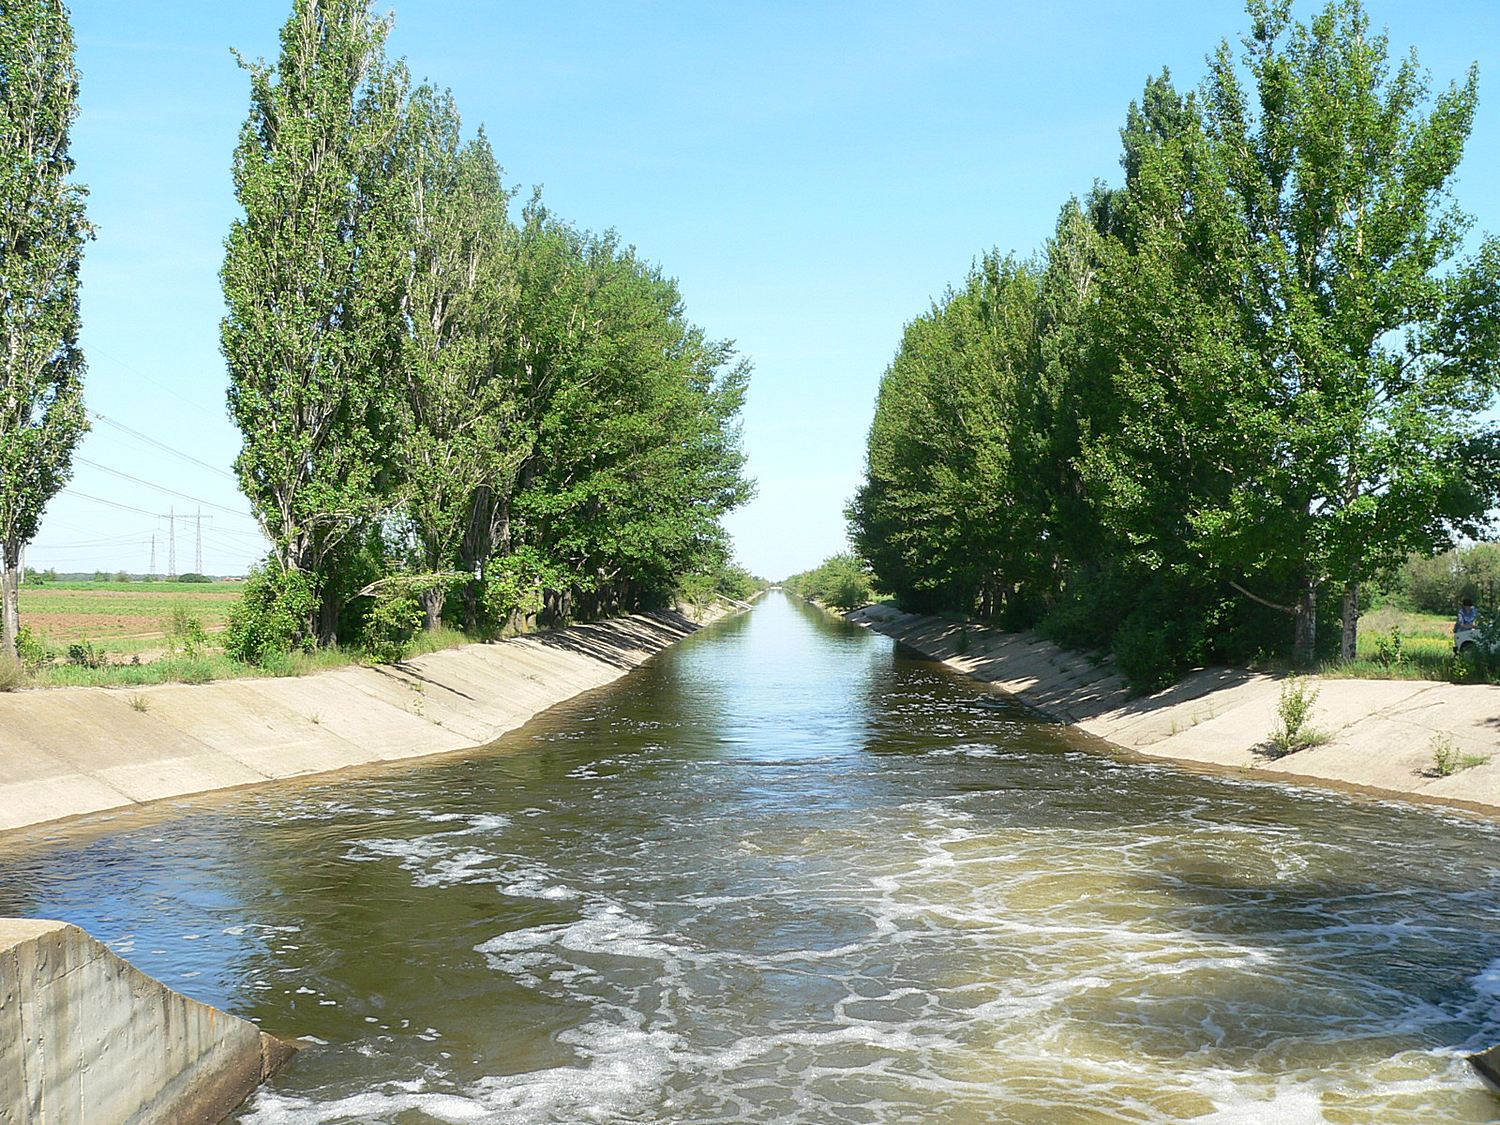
x=462, y=434
x=42, y=231
x=1366, y=324
x=638, y=450
x=313, y=330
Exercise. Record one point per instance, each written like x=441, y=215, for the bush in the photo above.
x=1294, y=709
x=193, y=576
x=271, y=618
x=1447, y=760
x=83, y=654
x=35, y=653
x=12, y=674
x=841, y=582
x=185, y=634
x=1143, y=652
x=514, y=586
x=1388, y=649
x=389, y=627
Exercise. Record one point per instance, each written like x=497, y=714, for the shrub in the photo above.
x=392, y=622
x=185, y=633
x=35, y=653
x=271, y=618
x=1447, y=760
x=514, y=586
x=1143, y=653
x=1294, y=710
x=1388, y=649
x=193, y=576
x=83, y=654
x=12, y=674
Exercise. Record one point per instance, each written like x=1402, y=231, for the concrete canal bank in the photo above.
x=85, y=1039
x=1383, y=733
x=69, y=751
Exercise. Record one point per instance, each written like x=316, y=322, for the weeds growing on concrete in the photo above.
x=1294, y=710
x=1448, y=760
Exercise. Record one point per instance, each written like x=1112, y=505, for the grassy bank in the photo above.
x=1397, y=645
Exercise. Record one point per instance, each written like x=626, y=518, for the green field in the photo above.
x=1426, y=649
x=121, y=617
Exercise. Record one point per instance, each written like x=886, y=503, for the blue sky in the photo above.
x=814, y=174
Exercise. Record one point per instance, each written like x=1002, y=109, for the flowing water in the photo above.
x=788, y=873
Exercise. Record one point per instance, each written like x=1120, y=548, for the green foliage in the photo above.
x=1389, y=649
x=1439, y=583
x=1294, y=715
x=84, y=654
x=515, y=586
x=1228, y=394
x=271, y=617
x=841, y=582
x=12, y=673
x=193, y=578
x=428, y=387
x=42, y=231
x=185, y=633
x=393, y=621
x=32, y=651
x=1447, y=760
x=310, y=280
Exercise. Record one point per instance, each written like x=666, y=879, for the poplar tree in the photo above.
x=42, y=231
x=1375, y=365
x=313, y=326
x=462, y=435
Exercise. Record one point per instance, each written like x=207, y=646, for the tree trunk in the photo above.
x=10, y=599
x=1349, y=641
x=432, y=608
x=1305, y=626
x=328, y=620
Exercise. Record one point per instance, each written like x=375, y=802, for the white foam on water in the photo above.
x=971, y=750
x=538, y=884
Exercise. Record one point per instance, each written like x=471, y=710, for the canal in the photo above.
x=787, y=872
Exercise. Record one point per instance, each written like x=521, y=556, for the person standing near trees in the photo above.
x=1468, y=615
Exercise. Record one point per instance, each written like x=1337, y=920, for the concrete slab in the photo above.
x=71, y=751
x=1382, y=731
x=86, y=1039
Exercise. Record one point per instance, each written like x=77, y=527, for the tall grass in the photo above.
x=1425, y=651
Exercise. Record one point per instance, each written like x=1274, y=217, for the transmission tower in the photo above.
x=198, y=557
x=153, y=554
x=171, y=543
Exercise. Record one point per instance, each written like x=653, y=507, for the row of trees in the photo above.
x=839, y=582
x=447, y=412
x=43, y=227
x=1251, y=377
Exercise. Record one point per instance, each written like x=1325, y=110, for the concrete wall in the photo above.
x=85, y=1039
x=1382, y=731
x=69, y=751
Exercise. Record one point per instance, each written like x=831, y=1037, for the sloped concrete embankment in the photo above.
x=85, y=1039
x=1382, y=732
x=70, y=751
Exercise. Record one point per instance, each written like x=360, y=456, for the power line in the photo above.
x=111, y=503
x=164, y=488
x=163, y=446
x=157, y=384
